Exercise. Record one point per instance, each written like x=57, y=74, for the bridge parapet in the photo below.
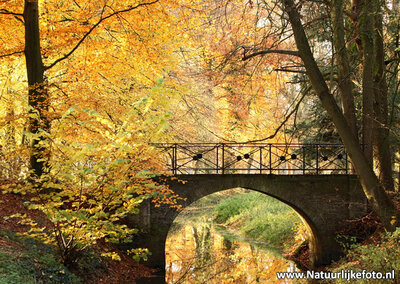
x=254, y=158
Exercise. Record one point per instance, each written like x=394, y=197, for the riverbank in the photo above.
x=262, y=218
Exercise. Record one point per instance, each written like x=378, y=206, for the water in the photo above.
x=200, y=252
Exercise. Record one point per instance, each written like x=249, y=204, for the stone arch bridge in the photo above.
x=316, y=184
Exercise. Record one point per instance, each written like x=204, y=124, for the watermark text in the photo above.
x=343, y=274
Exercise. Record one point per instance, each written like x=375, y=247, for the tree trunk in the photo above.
x=381, y=135
x=356, y=9
x=342, y=59
x=367, y=39
x=344, y=75
x=38, y=99
x=377, y=198
x=394, y=28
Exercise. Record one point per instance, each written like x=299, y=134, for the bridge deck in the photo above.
x=254, y=158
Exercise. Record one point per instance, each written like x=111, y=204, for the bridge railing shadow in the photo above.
x=255, y=158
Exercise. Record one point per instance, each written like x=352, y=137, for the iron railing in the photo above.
x=255, y=158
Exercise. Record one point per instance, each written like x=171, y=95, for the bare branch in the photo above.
x=95, y=26
x=17, y=16
x=6, y=12
x=289, y=70
x=268, y=51
x=77, y=4
x=294, y=110
x=12, y=53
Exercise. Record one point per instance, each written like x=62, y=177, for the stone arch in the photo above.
x=314, y=242
x=324, y=202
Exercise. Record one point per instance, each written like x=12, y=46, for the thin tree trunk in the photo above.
x=367, y=38
x=394, y=27
x=342, y=59
x=381, y=136
x=37, y=93
x=344, y=75
x=377, y=198
x=356, y=9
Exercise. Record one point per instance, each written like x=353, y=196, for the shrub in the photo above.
x=383, y=256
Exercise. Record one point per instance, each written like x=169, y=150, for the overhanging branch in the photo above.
x=6, y=12
x=294, y=110
x=94, y=27
x=11, y=53
x=17, y=16
x=289, y=70
x=268, y=51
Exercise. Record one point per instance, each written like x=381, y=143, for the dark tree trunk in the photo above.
x=345, y=84
x=368, y=95
x=37, y=95
x=381, y=136
x=377, y=198
x=342, y=59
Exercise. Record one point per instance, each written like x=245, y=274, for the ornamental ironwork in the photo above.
x=255, y=158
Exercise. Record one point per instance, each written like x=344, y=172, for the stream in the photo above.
x=198, y=251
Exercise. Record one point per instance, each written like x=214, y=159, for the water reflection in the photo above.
x=199, y=252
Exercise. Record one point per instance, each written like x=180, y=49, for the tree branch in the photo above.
x=16, y=15
x=95, y=26
x=6, y=12
x=294, y=110
x=263, y=52
x=12, y=53
x=289, y=70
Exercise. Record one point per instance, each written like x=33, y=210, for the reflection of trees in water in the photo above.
x=202, y=243
x=203, y=256
x=197, y=253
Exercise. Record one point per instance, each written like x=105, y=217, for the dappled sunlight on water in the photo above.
x=199, y=253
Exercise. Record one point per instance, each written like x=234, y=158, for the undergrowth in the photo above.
x=26, y=260
x=379, y=256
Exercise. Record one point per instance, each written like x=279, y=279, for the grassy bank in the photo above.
x=259, y=217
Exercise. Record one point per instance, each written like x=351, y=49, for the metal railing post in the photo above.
x=270, y=159
x=316, y=161
x=223, y=158
x=217, y=158
x=174, y=155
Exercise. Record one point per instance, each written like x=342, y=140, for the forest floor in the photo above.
x=25, y=260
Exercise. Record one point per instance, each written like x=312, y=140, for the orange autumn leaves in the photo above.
x=246, y=99
x=113, y=53
x=124, y=55
x=106, y=90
